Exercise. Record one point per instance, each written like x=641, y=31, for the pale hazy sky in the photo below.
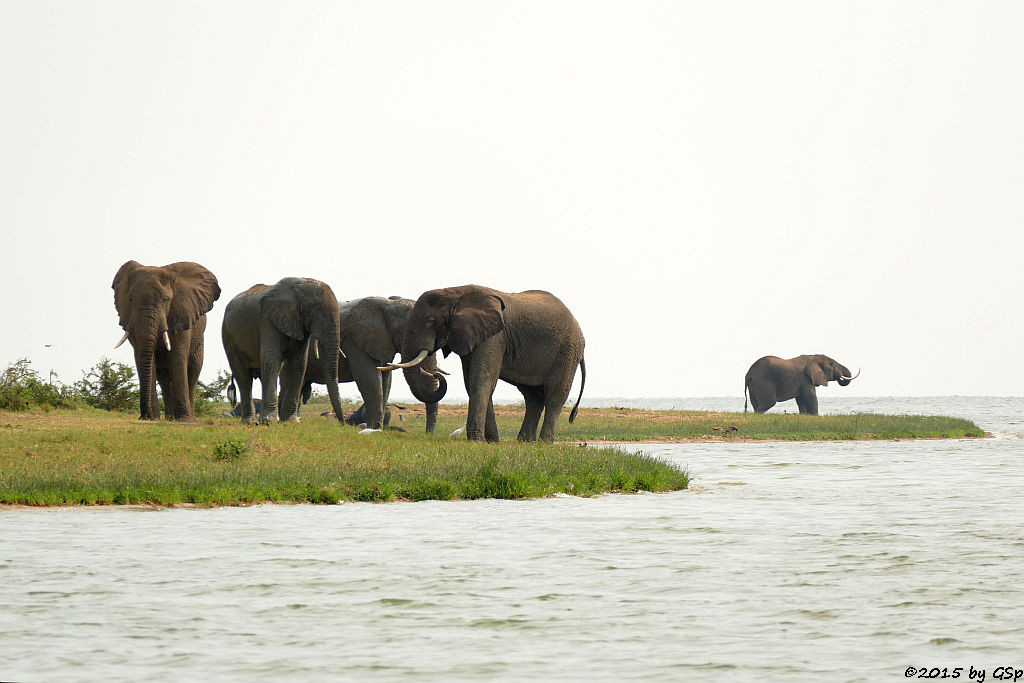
x=702, y=183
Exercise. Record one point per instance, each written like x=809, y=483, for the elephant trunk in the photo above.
x=332, y=391
x=425, y=380
x=845, y=378
x=431, y=418
x=328, y=339
x=145, y=333
x=145, y=367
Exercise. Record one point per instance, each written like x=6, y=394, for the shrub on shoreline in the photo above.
x=22, y=389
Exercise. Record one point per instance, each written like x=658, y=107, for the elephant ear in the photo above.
x=816, y=374
x=121, y=288
x=195, y=290
x=476, y=317
x=366, y=327
x=280, y=307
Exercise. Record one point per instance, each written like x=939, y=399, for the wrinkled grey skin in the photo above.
x=528, y=339
x=267, y=331
x=151, y=300
x=371, y=334
x=772, y=379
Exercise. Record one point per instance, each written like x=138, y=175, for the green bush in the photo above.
x=231, y=448
x=109, y=386
x=208, y=396
x=21, y=389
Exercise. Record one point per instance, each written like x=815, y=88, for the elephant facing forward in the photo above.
x=162, y=310
x=267, y=331
x=528, y=339
x=772, y=379
x=371, y=334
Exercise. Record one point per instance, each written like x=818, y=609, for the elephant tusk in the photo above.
x=850, y=379
x=167, y=340
x=342, y=352
x=410, y=364
x=123, y=340
x=316, y=349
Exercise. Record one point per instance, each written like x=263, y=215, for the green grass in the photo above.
x=636, y=425
x=93, y=457
x=88, y=456
x=624, y=424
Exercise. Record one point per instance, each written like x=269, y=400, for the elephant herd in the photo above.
x=296, y=333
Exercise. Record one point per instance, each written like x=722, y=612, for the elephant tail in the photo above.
x=744, y=395
x=232, y=394
x=583, y=382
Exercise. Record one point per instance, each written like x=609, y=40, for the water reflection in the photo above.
x=847, y=561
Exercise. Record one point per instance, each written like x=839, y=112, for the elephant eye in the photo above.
x=430, y=321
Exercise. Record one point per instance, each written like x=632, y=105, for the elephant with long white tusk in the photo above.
x=528, y=339
x=371, y=334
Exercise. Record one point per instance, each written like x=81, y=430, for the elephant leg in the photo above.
x=481, y=377
x=534, y=399
x=371, y=387
x=556, y=391
x=761, y=398
x=270, y=370
x=292, y=372
x=431, y=426
x=243, y=377
x=385, y=388
x=807, y=401
x=491, y=425
x=195, y=365
x=163, y=378
x=176, y=401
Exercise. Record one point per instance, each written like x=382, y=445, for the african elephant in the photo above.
x=163, y=313
x=772, y=379
x=267, y=331
x=371, y=335
x=529, y=339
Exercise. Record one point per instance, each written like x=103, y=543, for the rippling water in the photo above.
x=791, y=562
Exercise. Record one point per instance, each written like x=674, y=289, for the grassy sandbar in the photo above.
x=636, y=425
x=81, y=457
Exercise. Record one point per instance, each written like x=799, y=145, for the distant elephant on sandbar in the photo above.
x=162, y=310
x=772, y=379
x=371, y=334
x=267, y=332
x=528, y=339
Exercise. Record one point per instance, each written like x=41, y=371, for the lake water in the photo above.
x=786, y=562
